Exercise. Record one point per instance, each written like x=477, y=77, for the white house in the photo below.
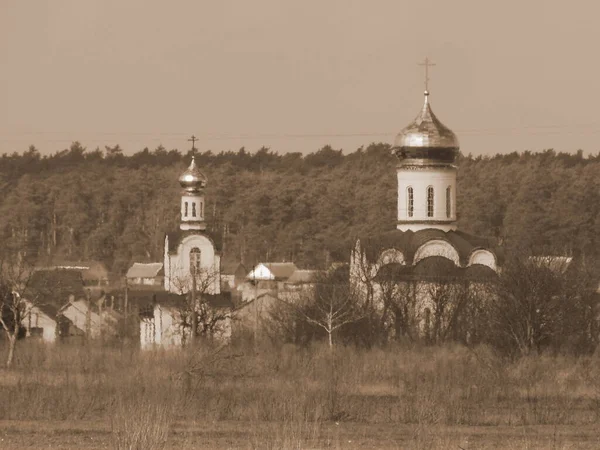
x=145, y=274
x=40, y=322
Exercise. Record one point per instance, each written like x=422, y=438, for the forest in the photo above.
x=80, y=204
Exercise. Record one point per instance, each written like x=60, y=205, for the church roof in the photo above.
x=175, y=238
x=426, y=138
x=192, y=179
x=434, y=268
x=409, y=241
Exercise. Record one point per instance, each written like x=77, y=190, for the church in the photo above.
x=190, y=255
x=190, y=277
x=411, y=269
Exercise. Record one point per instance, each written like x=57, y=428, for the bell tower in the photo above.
x=427, y=151
x=193, y=182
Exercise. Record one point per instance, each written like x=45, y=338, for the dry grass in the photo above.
x=297, y=398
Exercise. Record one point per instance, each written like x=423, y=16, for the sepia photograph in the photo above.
x=299, y=225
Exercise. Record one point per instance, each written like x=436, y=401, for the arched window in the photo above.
x=448, y=201
x=430, y=201
x=201, y=209
x=195, y=260
x=193, y=209
x=185, y=209
x=410, y=201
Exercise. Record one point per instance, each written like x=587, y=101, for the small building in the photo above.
x=145, y=274
x=82, y=318
x=232, y=275
x=40, y=322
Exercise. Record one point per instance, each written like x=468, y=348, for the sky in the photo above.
x=510, y=75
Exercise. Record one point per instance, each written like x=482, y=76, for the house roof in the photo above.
x=175, y=238
x=276, y=271
x=145, y=270
x=90, y=270
x=50, y=310
x=54, y=286
x=303, y=276
x=408, y=242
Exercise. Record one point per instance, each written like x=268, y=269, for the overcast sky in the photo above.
x=297, y=75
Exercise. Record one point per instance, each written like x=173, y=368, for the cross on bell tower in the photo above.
x=193, y=140
x=427, y=63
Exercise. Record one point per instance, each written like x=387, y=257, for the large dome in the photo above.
x=192, y=179
x=426, y=140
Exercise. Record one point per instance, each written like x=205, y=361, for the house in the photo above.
x=149, y=274
x=40, y=322
x=83, y=318
x=272, y=271
x=232, y=275
x=93, y=273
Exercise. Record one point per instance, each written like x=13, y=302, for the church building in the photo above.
x=190, y=252
x=426, y=249
x=191, y=263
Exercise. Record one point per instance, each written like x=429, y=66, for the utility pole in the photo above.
x=194, y=333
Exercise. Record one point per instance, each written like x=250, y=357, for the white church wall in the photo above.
x=440, y=178
x=177, y=269
x=437, y=247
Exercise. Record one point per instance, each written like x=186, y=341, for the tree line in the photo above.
x=80, y=204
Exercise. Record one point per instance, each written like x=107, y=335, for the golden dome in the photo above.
x=192, y=179
x=426, y=138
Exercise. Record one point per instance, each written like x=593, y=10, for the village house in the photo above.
x=40, y=322
x=145, y=274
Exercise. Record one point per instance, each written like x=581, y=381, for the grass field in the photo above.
x=87, y=396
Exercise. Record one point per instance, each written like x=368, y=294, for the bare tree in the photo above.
x=544, y=303
x=399, y=301
x=333, y=303
x=198, y=314
x=14, y=308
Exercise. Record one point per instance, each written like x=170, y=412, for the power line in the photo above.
x=130, y=136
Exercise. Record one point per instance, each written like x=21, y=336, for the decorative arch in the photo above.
x=437, y=247
x=390, y=255
x=483, y=257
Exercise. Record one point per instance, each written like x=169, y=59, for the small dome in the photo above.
x=192, y=179
x=426, y=138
